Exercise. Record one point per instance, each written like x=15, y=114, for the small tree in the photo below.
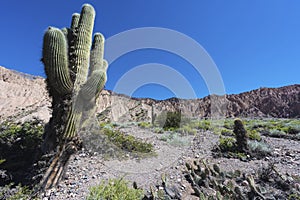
x=173, y=120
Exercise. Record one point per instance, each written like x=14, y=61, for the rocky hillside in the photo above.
x=24, y=96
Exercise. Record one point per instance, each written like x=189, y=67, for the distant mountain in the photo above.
x=24, y=97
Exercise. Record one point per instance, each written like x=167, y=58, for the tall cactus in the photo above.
x=76, y=74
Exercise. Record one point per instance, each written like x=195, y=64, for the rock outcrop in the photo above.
x=23, y=96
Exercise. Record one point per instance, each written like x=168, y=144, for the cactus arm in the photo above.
x=103, y=78
x=75, y=21
x=98, y=65
x=82, y=45
x=97, y=52
x=55, y=59
x=95, y=83
x=65, y=32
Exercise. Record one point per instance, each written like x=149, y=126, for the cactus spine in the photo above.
x=76, y=74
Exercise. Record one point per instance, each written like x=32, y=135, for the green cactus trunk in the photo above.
x=76, y=74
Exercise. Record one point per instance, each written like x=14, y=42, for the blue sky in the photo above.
x=253, y=43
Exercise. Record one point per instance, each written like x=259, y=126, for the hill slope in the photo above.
x=24, y=96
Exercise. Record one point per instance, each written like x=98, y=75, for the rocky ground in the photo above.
x=88, y=168
x=25, y=97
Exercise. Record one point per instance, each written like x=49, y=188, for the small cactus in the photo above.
x=210, y=183
x=241, y=136
x=163, y=191
x=210, y=179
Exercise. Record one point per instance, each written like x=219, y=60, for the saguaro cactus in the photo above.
x=76, y=74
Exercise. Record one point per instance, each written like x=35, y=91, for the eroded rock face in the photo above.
x=24, y=97
x=268, y=102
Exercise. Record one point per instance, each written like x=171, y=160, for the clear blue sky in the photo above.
x=253, y=43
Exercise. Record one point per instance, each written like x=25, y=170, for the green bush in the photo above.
x=226, y=143
x=293, y=129
x=30, y=133
x=169, y=120
x=173, y=120
x=19, y=146
x=254, y=135
x=127, y=142
x=225, y=131
x=10, y=192
x=144, y=124
x=228, y=124
x=202, y=125
x=115, y=189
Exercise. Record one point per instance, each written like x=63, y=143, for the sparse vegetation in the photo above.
x=187, y=130
x=253, y=131
x=115, y=189
x=254, y=135
x=226, y=143
x=284, y=126
x=244, y=146
x=289, y=128
x=144, y=124
x=19, y=147
x=158, y=130
x=171, y=120
x=259, y=148
x=11, y=192
x=30, y=133
x=226, y=132
x=201, y=124
x=127, y=142
x=175, y=139
x=34, y=157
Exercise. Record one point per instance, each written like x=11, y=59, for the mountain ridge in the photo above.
x=25, y=96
